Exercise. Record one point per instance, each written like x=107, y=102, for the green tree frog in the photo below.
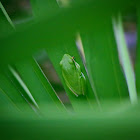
x=74, y=78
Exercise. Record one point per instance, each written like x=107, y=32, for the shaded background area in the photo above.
x=19, y=10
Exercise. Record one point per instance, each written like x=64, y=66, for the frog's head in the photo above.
x=66, y=60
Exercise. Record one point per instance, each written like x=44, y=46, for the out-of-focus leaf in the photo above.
x=102, y=59
x=137, y=65
x=41, y=7
x=122, y=124
x=7, y=106
x=125, y=59
x=6, y=25
x=7, y=85
x=45, y=82
x=34, y=84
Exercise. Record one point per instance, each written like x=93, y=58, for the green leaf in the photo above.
x=137, y=64
x=44, y=7
x=125, y=59
x=6, y=25
x=120, y=123
x=28, y=72
x=6, y=104
x=102, y=60
x=45, y=82
x=7, y=85
x=6, y=15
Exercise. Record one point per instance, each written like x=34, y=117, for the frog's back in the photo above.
x=71, y=73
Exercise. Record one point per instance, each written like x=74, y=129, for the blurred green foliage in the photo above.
x=30, y=108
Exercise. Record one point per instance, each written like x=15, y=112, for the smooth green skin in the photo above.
x=74, y=78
